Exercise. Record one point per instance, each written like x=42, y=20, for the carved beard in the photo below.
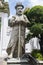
x=19, y=12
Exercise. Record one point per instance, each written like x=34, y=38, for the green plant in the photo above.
x=37, y=54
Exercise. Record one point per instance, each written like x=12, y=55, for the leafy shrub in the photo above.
x=37, y=54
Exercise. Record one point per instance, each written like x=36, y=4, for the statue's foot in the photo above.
x=10, y=56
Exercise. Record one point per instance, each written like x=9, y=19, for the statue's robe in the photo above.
x=14, y=40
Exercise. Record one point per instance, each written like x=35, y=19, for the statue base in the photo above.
x=14, y=61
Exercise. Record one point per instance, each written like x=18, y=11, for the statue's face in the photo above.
x=19, y=10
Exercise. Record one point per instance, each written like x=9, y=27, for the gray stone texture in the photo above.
x=17, y=42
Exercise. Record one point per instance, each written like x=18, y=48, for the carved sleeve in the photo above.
x=26, y=19
x=11, y=22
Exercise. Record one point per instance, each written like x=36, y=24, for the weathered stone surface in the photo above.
x=16, y=46
x=4, y=7
x=17, y=62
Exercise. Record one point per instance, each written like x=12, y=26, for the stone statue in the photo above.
x=16, y=46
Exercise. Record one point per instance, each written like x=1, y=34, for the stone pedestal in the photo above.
x=17, y=62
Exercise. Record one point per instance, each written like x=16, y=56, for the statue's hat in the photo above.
x=19, y=4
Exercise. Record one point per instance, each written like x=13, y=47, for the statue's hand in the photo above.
x=11, y=22
x=26, y=19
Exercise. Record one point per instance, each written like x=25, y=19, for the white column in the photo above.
x=1, y=15
x=5, y=30
x=4, y=36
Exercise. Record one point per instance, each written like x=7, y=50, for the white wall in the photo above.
x=5, y=33
x=1, y=15
x=32, y=44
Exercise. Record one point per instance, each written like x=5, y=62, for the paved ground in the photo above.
x=2, y=62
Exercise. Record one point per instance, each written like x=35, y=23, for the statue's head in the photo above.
x=19, y=7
